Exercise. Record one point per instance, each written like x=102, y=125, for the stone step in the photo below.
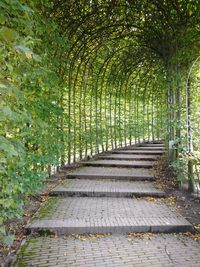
x=119, y=163
x=149, y=148
x=106, y=188
x=128, y=157
x=155, y=142
x=145, y=146
x=90, y=172
x=106, y=215
x=144, y=152
x=153, y=145
x=160, y=250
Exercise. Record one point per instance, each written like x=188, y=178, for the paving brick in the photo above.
x=129, y=157
x=119, y=163
x=153, y=145
x=149, y=148
x=137, y=151
x=77, y=214
x=115, y=250
x=90, y=172
x=109, y=188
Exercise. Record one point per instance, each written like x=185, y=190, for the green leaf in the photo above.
x=8, y=35
x=2, y=228
x=7, y=147
x=6, y=113
x=4, y=86
x=3, y=5
x=10, y=67
x=2, y=19
x=26, y=8
x=36, y=58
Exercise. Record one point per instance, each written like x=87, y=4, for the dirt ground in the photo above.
x=185, y=202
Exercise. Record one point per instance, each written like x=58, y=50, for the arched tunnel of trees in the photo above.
x=81, y=77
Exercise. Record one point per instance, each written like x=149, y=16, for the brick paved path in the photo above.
x=128, y=157
x=102, y=200
x=120, y=163
x=109, y=188
x=112, y=173
x=111, y=251
x=137, y=151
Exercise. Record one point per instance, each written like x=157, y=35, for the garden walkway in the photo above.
x=103, y=215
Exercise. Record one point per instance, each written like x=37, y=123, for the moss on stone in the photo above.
x=24, y=252
x=48, y=208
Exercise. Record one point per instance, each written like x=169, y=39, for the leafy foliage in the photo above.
x=30, y=106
